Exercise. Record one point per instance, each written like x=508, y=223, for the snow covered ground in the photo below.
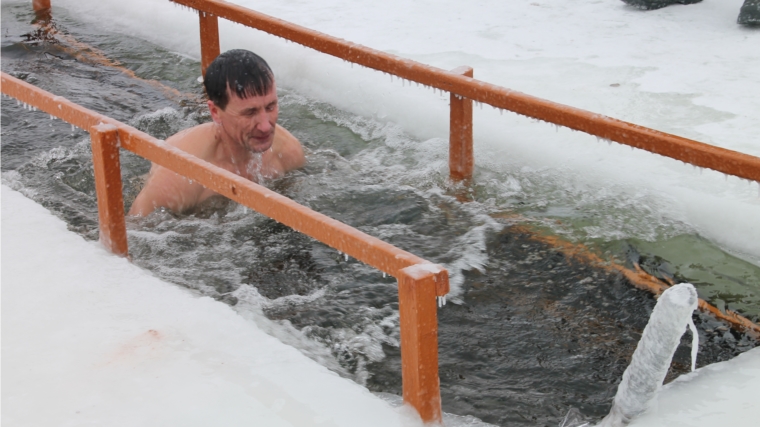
x=720, y=394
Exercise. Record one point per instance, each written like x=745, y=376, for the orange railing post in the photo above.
x=39, y=5
x=461, y=160
x=418, y=287
x=209, y=39
x=105, y=159
x=41, y=9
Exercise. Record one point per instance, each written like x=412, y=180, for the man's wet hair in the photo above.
x=242, y=71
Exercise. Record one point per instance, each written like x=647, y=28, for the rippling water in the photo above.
x=531, y=332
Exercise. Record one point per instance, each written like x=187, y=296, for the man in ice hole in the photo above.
x=243, y=138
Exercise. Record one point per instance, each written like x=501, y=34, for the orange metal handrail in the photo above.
x=687, y=150
x=419, y=281
x=370, y=250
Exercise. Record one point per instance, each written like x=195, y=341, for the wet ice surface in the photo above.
x=531, y=334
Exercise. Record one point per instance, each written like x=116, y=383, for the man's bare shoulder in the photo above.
x=287, y=150
x=199, y=141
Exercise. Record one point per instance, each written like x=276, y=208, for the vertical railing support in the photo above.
x=41, y=10
x=418, y=287
x=461, y=161
x=39, y=5
x=105, y=159
x=209, y=39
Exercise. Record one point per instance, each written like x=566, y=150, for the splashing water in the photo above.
x=254, y=167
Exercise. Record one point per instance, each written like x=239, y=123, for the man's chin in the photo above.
x=260, y=146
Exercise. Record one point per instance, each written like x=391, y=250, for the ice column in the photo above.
x=651, y=360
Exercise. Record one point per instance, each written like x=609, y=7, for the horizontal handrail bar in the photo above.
x=370, y=250
x=687, y=150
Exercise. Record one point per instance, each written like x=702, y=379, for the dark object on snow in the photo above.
x=750, y=13
x=657, y=4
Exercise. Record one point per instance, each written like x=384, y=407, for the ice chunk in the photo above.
x=418, y=271
x=651, y=360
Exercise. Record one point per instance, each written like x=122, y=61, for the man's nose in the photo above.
x=263, y=124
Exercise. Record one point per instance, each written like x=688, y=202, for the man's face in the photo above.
x=250, y=121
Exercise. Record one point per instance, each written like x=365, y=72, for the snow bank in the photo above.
x=90, y=339
x=721, y=394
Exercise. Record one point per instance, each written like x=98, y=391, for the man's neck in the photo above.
x=231, y=153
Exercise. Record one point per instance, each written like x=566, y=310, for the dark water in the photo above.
x=531, y=334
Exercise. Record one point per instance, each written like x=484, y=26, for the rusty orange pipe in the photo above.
x=638, y=278
x=689, y=151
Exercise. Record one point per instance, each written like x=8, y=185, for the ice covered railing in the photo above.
x=464, y=89
x=420, y=284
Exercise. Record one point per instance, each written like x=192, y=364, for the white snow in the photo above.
x=418, y=271
x=721, y=394
x=90, y=339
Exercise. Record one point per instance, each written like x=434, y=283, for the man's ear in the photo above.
x=214, y=110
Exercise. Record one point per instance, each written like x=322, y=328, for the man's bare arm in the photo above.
x=167, y=189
